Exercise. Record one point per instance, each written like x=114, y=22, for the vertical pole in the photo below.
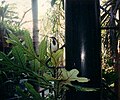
x=83, y=46
x=35, y=24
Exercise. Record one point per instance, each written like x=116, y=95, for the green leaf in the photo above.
x=29, y=43
x=35, y=65
x=4, y=59
x=19, y=56
x=36, y=96
x=14, y=40
x=43, y=49
x=58, y=54
x=27, y=48
x=79, y=88
x=55, y=57
x=42, y=82
x=22, y=93
x=49, y=77
x=68, y=76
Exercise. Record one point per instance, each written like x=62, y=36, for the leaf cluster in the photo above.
x=30, y=69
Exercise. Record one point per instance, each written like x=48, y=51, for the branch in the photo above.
x=110, y=14
x=24, y=16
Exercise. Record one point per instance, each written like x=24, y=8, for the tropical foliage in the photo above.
x=27, y=68
x=110, y=36
x=24, y=73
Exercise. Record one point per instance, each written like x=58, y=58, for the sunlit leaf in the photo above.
x=72, y=75
x=55, y=57
x=66, y=77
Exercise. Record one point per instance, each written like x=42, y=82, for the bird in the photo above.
x=54, y=45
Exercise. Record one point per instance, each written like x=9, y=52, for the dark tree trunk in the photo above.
x=83, y=46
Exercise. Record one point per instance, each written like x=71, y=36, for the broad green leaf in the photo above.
x=68, y=76
x=55, y=57
x=30, y=56
x=58, y=54
x=19, y=56
x=35, y=65
x=29, y=43
x=27, y=48
x=43, y=49
x=14, y=40
x=49, y=77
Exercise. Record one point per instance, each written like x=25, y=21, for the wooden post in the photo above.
x=83, y=46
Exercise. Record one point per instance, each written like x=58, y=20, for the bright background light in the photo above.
x=23, y=5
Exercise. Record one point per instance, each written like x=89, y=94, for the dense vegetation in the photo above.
x=24, y=73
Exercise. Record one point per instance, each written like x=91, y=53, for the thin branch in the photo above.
x=25, y=22
x=23, y=16
x=110, y=14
